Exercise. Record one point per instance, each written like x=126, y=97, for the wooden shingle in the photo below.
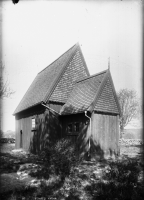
x=106, y=101
x=75, y=70
x=83, y=94
x=93, y=93
x=51, y=83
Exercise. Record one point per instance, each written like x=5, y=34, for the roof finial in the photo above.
x=109, y=63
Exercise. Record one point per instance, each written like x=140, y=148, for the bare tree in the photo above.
x=5, y=90
x=130, y=106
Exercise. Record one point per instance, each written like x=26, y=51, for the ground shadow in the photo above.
x=47, y=132
x=86, y=146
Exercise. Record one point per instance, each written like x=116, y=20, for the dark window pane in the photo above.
x=76, y=127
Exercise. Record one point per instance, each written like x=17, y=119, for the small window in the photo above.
x=33, y=123
x=76, y=127
x=69, y=128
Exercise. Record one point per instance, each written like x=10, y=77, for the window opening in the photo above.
x=69, y=128
x=33, y=123
x=76, y=127
x=73, y=128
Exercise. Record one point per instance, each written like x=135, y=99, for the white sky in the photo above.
x=35, y=33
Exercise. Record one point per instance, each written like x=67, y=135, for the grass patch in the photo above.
x=58, y=173
x=120, y=181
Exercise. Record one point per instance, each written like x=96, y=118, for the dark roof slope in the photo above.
x=46, y=81
x=83, y=94
x=93, y=93
x=107, y=100
x=75, y=70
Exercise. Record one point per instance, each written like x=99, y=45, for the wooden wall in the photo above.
x=48, y=128
x=82, y=138
x=48, y=131
x=105, y=133
x=24, y=125
x=23, y=122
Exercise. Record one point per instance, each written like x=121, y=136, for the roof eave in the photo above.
x=80, y=112
x=15, y=113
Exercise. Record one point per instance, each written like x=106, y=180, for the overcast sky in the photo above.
x=35, y=33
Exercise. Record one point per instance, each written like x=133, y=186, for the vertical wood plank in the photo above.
x=94, y=130
x=113, y=133
x=98, y=129
x=16, y=133
x=106, y=132
x=103, y=131
x=109, y=130
x=117, y=133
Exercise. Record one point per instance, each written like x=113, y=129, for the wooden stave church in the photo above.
x=65, y=101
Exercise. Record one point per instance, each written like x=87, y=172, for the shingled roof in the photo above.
x=44, y=84
x=89, y=94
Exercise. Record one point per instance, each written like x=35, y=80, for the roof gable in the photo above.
x=83, y=94
x=107, y=100
x=75, y=70
x=93, y=93
x=46, y=81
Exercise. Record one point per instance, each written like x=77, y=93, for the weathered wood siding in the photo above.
x=105, y=133
x=82, y=138
x=47, y=129
x=24, y=125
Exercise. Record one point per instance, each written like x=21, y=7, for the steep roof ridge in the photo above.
x=73, y=48
x=97, y=74
x=105, y=79
x=76, y=45
x=91, y=107
x=114, y=92
x=83, y=59
x=63, y=71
